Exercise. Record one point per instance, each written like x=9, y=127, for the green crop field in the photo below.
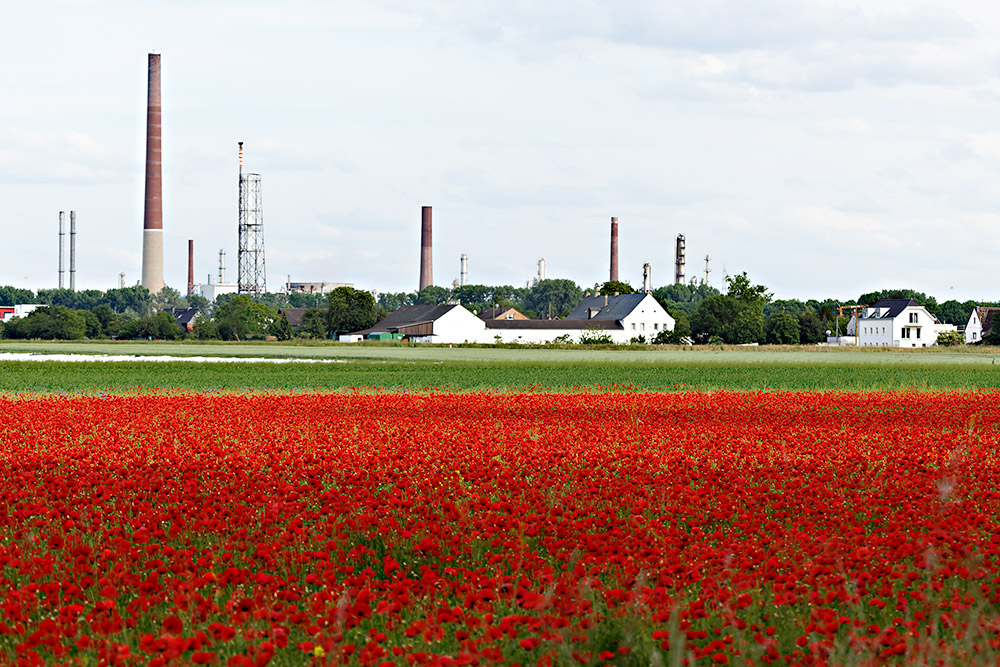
x=459, y=368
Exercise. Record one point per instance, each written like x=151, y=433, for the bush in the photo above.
x=950, y=338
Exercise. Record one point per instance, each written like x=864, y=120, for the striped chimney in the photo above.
x=152, y=220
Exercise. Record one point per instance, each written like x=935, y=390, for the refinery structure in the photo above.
x=251, y=277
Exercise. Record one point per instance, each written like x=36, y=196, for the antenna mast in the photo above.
x=252, y=278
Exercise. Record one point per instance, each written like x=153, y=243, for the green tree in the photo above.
x=351, y=309
x=206, y=330
x=713, y=316
x=240, y=317
x=555, y=297
x=314, y=324
x=783, y=329
x=168, y=298
x=107, y=319
x=92, y=325
x=955, y=312
x=812, y=329
x=612, y=286
x=281, y=329
x=746, y=327
x=13, y=296
x=389, y=302
x=50, y=323
x=430, y=295
x=741, y=289
x=950, y=338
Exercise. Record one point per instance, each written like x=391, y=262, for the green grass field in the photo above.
x=418, y=368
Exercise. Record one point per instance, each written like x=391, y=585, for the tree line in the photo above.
x=744, y=313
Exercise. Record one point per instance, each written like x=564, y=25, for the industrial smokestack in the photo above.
x=426, y=266
x=222, y=266
x=647, y=278
x=464, y=275
x=190, y=267
x=152, y=221
x=541, y=269
x=72, y=251
x=679, y=261
x=62, y=243
x=614, y=249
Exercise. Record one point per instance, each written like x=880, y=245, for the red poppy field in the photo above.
x=461, y=529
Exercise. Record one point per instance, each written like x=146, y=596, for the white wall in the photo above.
x=914, y=327
x=647, y=319
x=974, y=329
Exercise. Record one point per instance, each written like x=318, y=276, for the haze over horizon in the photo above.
x=827, y=149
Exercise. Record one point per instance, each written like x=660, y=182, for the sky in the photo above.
x=827, y=148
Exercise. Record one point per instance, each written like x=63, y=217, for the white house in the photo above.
x=637, y=315
x=445, y=323
x=980, y=324
x=898, y=323
x=621, y=317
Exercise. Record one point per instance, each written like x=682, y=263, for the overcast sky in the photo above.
x=826, y=148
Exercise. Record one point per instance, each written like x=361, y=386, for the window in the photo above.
x=973, y=335
x=633, y=326
x=918, y=333
x=883, y=329
x=906, y=332
x=913, y=318
x=642, y=326
x=656, y=326
x=509, y=316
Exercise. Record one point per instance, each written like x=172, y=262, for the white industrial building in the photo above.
x=897, y=323
x=621, y=317
x=7, y=313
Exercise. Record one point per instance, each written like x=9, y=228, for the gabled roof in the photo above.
x=987, y=317
x=895, y=306
x=294, y=316
x=183, y=316
x=408, y=316
x=617, y=308
x=499, y=312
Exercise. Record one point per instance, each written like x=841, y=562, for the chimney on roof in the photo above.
x=605, y=300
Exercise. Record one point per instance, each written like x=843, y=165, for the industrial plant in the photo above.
x=251, y=276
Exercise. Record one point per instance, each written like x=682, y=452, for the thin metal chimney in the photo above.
x=647, y=278
x=426, y=259
x=62, y=243
x=72, y=251
x=679, y=261
x=708, y=269
x=464, y=275
x=222, y=266
x=614, y=249
x=190, y=267
x=152, y=220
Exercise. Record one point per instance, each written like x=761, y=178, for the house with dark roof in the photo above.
x=898, y=323
x=424, y=323
x=980, y=324
x=294, y=316
x=184, y=317
x=621, y=317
